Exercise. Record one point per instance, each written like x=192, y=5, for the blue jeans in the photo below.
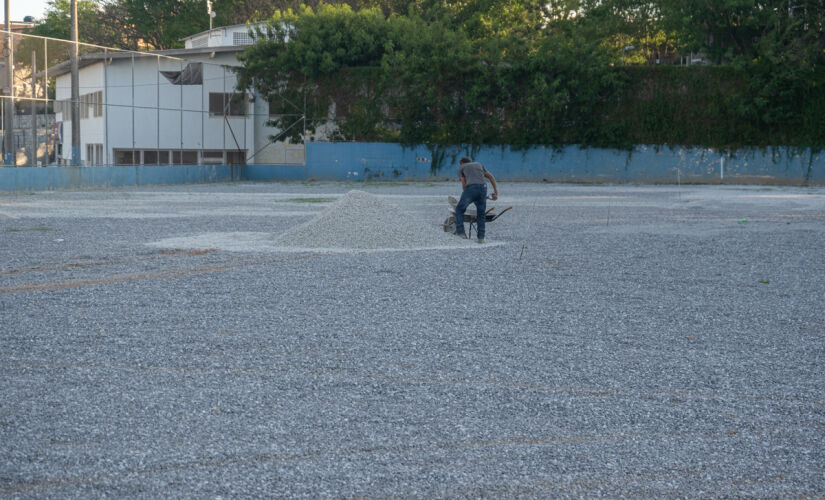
x=477, y=195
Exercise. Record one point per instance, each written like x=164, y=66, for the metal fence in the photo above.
x=170, y=107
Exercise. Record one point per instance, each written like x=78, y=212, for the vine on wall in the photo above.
x=414, y=81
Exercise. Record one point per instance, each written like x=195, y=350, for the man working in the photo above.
x=473, y=178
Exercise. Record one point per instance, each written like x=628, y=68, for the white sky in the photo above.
x=22, y=8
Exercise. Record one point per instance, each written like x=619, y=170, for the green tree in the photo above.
x=483, y=72
x=731, y=29
x=163, y=23
x=126, y=24
x=99, y=23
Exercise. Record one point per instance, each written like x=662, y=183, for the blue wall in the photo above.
x=382, y=161
x=49, y=178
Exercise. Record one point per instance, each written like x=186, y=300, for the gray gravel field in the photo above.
x=607, y=341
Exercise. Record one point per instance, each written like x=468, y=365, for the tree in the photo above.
x=732, y=29
x=98, y=23
x=163, y=23
x=125, y=24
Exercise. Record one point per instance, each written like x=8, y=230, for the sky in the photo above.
x=22, y=8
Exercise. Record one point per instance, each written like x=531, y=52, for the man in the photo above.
x=473, y=177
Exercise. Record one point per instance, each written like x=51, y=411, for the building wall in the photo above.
x=381, y=161
x=92, y=129
x=147, y=111
x=144, y=111
x=269, y=149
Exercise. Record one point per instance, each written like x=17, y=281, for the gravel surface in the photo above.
x=363, y=221
x=614, y=341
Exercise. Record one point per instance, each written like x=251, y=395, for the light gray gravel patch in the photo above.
x=356, y=222
x=623, y=341
x=363, y=221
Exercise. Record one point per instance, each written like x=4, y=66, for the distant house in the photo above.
x=166, y=107
x=17, y=27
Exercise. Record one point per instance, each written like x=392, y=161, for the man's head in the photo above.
x=465, y=160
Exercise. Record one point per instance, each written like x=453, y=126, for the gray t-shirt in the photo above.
x=473, y=172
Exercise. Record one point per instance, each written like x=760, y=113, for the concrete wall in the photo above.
x=51, y=178
x=381, y=161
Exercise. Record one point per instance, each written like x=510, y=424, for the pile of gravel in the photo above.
x=361, y=221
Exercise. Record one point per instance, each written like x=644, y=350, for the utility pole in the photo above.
x=75, y=90
x=34, y=110
x=8, y=102
x=211, y=14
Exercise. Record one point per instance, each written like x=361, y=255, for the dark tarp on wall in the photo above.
x=192, y=74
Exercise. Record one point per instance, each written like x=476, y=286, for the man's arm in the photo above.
x=493, y=182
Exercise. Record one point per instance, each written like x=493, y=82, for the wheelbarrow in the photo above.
x=470, y=216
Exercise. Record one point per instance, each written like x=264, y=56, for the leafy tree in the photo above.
x=126, y=24
x=163, y=23
x=322, y=41
x=731, y=29
x=99, y=23
x=427, y=65
x=432, y=82
x=299, y=49
x=497, y=18
x=517, y=72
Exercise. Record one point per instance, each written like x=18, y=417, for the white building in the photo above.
x=169, y=107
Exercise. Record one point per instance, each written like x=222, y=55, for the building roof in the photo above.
x=98, y=57
x=222, y=28
x=20, y=26
x=16, y=27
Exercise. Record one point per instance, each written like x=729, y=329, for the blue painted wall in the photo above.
x=645, y=164
x=50, y=178
x=382, y=161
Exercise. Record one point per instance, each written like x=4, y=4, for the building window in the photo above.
x=127, y=157
x=94, y=154
x=84, y=106
x=242, y=39
x=89, y=102
x=150, y=157
x=63, y=106
x=227, y=104
x=212, y=157
x=163, y=156
x=236, y=157
x=185, y=157
x=98, y=103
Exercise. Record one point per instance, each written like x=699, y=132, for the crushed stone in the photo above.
x=362, y=221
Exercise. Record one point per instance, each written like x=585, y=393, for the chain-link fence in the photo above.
x=169, y=107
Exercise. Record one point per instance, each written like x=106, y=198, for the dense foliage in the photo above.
x=524, y=73
x=162, y=24
x=518, y=72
